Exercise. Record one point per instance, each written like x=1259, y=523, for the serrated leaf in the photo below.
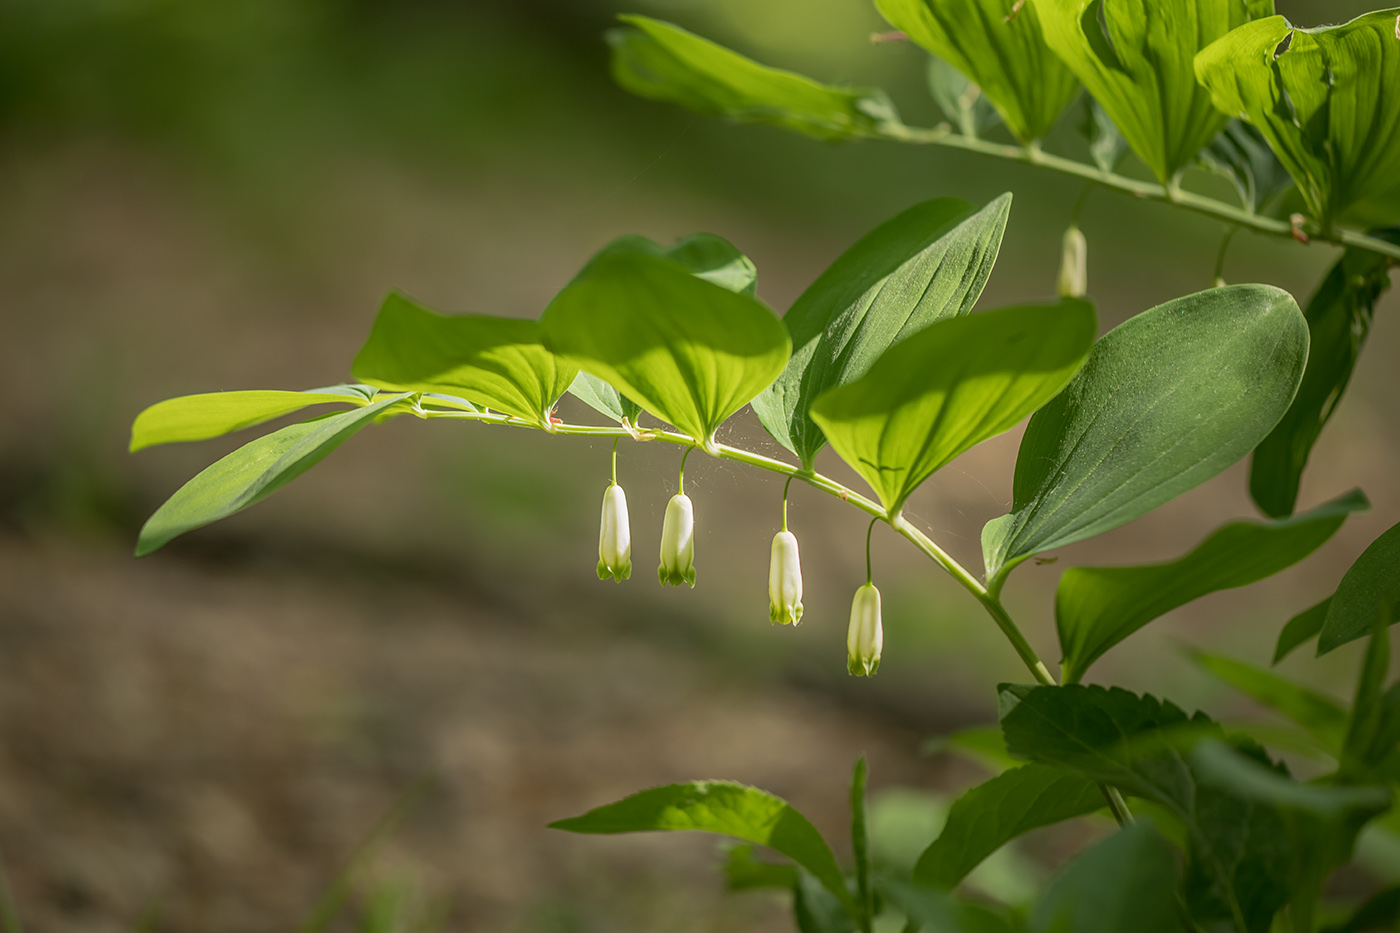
x=1126, y=882
x=661, y=61
x=1000, y=49
x=990, y=815
x=949, y=387
x=1323, y=717
x=688, y=351
x=926, y=264
x=1320, y=98
x=1098, y=607
x=1242, y=154
x=1370, y=589
x=1339, y=319
x=1136, y=58
x=497, y=362
x=961, y=101
x=720, y=807
x=211, y=414
x=1166, y=400
x=253, y=472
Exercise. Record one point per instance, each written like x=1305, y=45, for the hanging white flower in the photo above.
x=678, y=543
x=864, y=638
x=614, y=537
x=785, y=580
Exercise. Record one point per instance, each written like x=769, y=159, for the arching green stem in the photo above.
x=684, y=456
x=785, y=495
x=614, y=460
x=869, y=577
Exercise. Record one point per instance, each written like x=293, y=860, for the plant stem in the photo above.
x=1148, y=190
x=785, y=495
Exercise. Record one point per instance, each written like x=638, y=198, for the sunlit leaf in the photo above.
x=1126, y=882
x=1339, y=318
x=925, y=264
x=200, y=417
x=1098, y=607
x=949, y=387
x=688, y=351
x=497, y=362
x=998, y=48
x=253, y=472
x=720, y=807
x=655, y=59
x=1322, y=98
x=1370, y=590
x=1167, y=400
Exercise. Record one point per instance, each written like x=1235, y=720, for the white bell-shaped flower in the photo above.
x=785, y=581
x=864, y=638
x=614, y=537
x=1074, y=264
x=678, y=543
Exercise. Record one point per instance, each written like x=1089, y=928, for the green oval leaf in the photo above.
x=928, y=263
x=1000, y=49
x=212, y=414
x=1136, y=58
x=721, y=807
x=991, y=814
x=655, y=59
x=1098, y=607
x=949, y=387
x=497, y=362
x=253, y=472
x=1322, y=98
x=688, y=351
x=1167, y=400
x=1369, y=591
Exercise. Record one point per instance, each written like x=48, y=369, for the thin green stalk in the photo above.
x=614, y=460
x=785, y=495
x=869, y=575
x=1152, y=191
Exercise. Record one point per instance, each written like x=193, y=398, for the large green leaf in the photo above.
x=925, y=264
x=1323, y=99
x=1126, y=882
x=200, y=417
x=253, y=472
x=705, y=256
x=688, y=351
x=1339, y=318
x=1136, y=58
x=1370, y=590
x=998, y=48
x=655, y=59
x=497, y=362
x=1097, y=607
x=1167, y=400
x=1323, y=717
x=720, y=807
x=992, y=814
x=951, y=386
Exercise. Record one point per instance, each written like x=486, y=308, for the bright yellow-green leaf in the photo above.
x=1136, y=58
x=200, y=417
x=952, y=385
x=500, y=363
x=1000, y=49
x=1325, y=100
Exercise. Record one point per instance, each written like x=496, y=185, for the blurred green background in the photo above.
x=199, y=195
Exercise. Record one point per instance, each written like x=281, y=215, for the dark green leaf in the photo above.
x=999, y=49
x=961, y=101
x=1098, y=607
x=1106, y=144
x=949, y=387
x=200, y=417
x=688, y=351
x=1321, y=715
x=744, y=872
x=860, y=842
x=1242, y=154
x=1339, y=318
x=1302, y=627
x=1380, y=913
x=720, y=807
x=252, y=473
x=664, y=62
x=938, y=912
x=1370, y=589
x=1135, y=57
x=1317, y=96
x=1370, y=738
x=992, y=814
x=817, y=910
x=497, y=362
x=1218, y=763
x=1126, y=882
x=926, y=264
x=1167, y=400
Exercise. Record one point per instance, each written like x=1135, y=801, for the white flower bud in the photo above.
x=678, y=543
x=864, y=638
x=614, y=537
x=1074, y=264
x=785, y=581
